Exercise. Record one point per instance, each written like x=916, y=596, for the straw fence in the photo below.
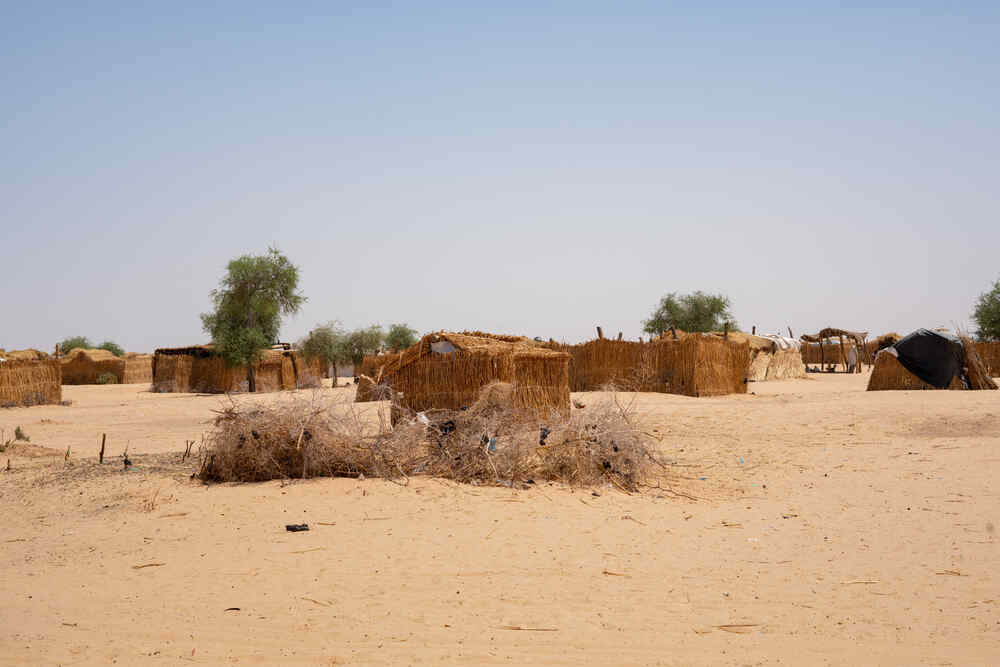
x=989, y=352
x=23, y=355
x=200, y=370
x=370, y=375
x=138, y=369
x=27, y=382
x=693, y=365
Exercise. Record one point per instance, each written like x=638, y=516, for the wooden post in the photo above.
x=790, y=334
x=619, y=335
x=725, y=331
x=822, y=355
x=100, y=458
x=674, y=332
x=600, y=334
x=843, y=353
x=753, y=331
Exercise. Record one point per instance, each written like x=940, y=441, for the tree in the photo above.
x=400, y=337
x=112, y=347
x=360, y=342
x=697, y=311
x=987, y=314
x=325, y=342
x=74, y=342
x=248, y=306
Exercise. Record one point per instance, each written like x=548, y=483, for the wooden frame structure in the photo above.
x=856, y=338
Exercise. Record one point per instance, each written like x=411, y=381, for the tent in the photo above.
x=928, y=359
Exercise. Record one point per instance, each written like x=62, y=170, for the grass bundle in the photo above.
x=30, y=382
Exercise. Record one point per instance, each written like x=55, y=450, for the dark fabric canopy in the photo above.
x=935, y=358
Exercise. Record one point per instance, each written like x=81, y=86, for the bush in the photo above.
x=20, y=435
x=490, y=443
x=74, y=342
x=107, y=378
x=987, y=314
x=112, y=347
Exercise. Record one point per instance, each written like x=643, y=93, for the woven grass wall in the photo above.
x=706, y=365
x=85, y=366
x=28, y=382
x=628, y=365
x=785, y=364
x=138, y=369
x=831, y=353
x=207, y=373
x=989, y=352
x=172, y=372
x=452, y=381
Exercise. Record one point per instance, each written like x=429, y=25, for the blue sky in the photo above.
x=516, y=169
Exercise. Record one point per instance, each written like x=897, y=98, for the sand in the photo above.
x=826, y=525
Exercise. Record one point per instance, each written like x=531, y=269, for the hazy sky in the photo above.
x=515, y=169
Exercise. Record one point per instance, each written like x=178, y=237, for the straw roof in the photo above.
x=478, y=342
x=23, y=355
x=90, y=354
x=832, y=332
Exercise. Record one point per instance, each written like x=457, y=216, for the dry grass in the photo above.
x=494, y=441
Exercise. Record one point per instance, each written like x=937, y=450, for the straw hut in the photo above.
x=29, y=381
x=448, y=370
x=200, y=369
x=28, y=354
x=930, y=360
x=83, y=366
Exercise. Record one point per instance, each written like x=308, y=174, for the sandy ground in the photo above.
x=827, y=525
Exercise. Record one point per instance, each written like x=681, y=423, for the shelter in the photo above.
x=200, y=369
x=84, y=366
x=370, y=376
x=690, y=364
x=447, y=371
x=928, y=359
x=818, y=347
x=771, y=357
x=29, y=381
x=28, y=354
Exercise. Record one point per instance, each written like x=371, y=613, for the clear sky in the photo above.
x=513, y=169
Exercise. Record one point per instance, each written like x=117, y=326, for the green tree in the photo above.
x=697, y=311
x=360, y=342
x=987, y=314
x=74, y=342
x=325, y=342
x=112, y=347
x=400, y=337
x=248, y=306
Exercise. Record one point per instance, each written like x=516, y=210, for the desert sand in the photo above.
x=809, y=522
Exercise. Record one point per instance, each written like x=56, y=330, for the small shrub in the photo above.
x=19, y=434
x=107, y=378
x=112, y=347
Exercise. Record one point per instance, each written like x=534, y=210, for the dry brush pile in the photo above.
x=490, y=442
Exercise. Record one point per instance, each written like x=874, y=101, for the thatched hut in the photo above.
x=448, y=370
x=930, y=360
x=85, y=366
x=28, y=354
x=29, y=381
x=200, y=369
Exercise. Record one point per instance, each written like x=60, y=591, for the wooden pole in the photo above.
x=790, y=334
x=753, y=331
x=725, y=331
x=843, y=353
x=100, y=458
x=674, y=332
x=619, y=335
x=600, y=334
